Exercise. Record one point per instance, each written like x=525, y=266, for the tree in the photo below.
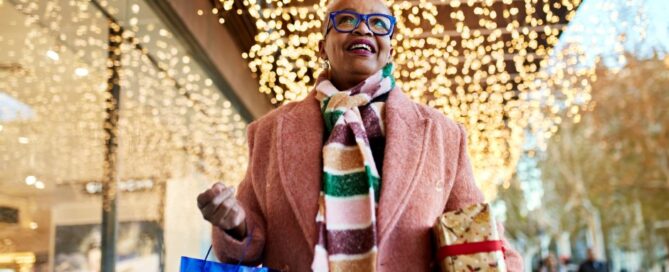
x=610, y=171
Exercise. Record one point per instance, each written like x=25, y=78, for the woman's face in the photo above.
x=349, y=62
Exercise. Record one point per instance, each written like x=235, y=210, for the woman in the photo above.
x=353, y=177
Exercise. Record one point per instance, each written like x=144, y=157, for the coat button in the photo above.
x=439, y=185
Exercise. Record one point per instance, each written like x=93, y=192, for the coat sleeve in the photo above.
x=249, y=249
x=465, y=193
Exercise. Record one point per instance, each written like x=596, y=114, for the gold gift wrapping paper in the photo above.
x=469, y=225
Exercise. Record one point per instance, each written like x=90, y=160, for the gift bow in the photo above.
x=470, y=248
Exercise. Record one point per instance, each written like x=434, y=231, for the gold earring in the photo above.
x=326, y=65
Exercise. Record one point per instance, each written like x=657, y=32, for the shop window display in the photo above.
x=59, y=64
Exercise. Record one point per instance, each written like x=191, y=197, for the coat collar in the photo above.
x=301, y=165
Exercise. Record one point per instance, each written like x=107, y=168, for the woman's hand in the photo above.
x=220, y=207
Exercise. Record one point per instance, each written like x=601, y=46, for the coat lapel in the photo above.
x=300, y=136
x=406, y=135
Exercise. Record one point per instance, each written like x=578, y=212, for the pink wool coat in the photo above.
x=426, y=171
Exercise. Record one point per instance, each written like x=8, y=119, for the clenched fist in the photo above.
x=220, y=207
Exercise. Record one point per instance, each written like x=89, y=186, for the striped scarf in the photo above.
x=346, y=218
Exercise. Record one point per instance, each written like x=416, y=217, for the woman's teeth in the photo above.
x=361, y=46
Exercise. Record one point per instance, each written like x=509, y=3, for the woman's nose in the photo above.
x=362, y=29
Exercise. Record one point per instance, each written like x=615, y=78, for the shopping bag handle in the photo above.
x=246, y=245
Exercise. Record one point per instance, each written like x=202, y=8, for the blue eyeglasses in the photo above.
x=345, y=21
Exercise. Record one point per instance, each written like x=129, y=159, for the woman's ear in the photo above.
x=321, y=50
x=391, y=54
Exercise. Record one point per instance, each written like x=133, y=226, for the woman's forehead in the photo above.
x=361, y=6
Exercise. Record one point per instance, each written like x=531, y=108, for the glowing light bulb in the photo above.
x=30, y=180
x=24, y=140
x=53, y=55
x=81, y=72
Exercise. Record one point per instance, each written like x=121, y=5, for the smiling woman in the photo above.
x=353, y=177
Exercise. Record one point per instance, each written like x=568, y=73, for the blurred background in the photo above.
x=115, y=114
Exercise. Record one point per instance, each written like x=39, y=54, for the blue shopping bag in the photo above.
x=198, y=265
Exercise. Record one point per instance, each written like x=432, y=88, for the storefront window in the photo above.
x=60, y=64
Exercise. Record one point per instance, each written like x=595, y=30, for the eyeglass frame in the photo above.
x=361, y=18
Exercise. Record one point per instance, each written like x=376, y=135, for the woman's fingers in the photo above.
x=225, y=209
x=207, y=196
x=224, y=193
x=233, y=218
x=219, y=206
x=238, y=215
x=209, y=212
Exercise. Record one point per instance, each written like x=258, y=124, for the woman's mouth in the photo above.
x=361, y=47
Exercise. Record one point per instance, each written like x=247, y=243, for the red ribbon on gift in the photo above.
x=470, y=248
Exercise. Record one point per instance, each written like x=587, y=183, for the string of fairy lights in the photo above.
x=173, y=119
x=453, y=55
x=457, y=56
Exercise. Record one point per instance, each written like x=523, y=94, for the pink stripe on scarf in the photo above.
x=348, y=211
x=370, y=84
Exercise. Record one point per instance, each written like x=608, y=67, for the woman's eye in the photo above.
x=347, y=20
x=380, y=24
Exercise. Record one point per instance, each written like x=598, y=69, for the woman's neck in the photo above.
x=345, y=83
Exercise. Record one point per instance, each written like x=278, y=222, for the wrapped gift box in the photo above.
x=468, y=240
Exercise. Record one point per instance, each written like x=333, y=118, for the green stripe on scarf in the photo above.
x=330, y=118
x=350, y=185
x=324, y=104
x=388, y=72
